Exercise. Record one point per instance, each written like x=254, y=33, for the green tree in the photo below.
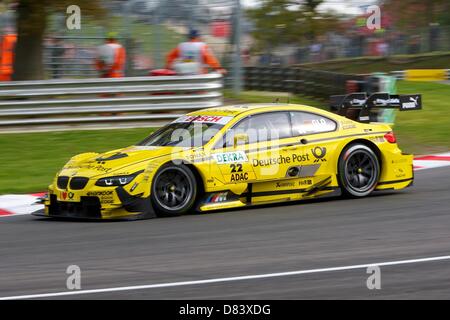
x=288, y=21
x=31, y=23
x=412, y=14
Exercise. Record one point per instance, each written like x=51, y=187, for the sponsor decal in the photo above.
x=99, y=193
x=347, y=125
x=386, y=102
x=196, y=156
x=67, y=195
x=106, y=197
x=319, y=153
x=285, y=185
x=97, y=167
x=364, y=118
x=280, y=160
x=217, y=197
x=307, y=182
x=300, y=157
x=293, y=184
x=401, y=160
x=400, y=173
x=378, y=139
x=357, y=102
x=230, y=157
x=150, y=168
x=205, y=119
x=412, y=104
x=237, y=177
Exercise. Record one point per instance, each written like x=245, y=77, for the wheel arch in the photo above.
x=191, y=167
x=197, y=175
x=368, y=144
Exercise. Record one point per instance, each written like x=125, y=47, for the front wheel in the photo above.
x=174, y=190
x=358, y=170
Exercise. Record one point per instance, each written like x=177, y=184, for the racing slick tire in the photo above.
x=174, y=190
x=358, y=170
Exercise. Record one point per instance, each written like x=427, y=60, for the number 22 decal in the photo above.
x=236, y=168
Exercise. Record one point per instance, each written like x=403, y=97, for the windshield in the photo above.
x=183, y=134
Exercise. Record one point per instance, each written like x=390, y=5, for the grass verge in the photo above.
x=29, y=161
x=427, y=130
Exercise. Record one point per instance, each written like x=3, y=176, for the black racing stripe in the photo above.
x=394, y=181
x=347, y=136
x=282, y=192
x=314, y=141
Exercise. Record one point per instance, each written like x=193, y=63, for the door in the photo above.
x=312, y=131
x=258, y=148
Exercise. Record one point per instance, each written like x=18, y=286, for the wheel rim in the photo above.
x=360, y=171
x=172, y=189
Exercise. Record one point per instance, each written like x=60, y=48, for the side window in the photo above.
x=267, y=126
x=262, y=127
x=304, y=123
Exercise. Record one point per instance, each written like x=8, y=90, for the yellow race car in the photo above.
x=238, y=156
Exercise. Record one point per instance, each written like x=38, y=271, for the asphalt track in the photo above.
x=389, y=226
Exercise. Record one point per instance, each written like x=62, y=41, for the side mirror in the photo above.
x=240, y=139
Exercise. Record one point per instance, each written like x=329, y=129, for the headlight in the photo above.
x=116, y=181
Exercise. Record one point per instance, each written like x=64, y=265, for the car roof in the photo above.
x=235, y=110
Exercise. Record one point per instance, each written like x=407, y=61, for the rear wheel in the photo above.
x=359, y=170
x=174, y=190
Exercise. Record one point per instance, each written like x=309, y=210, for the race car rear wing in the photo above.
x=342, y=104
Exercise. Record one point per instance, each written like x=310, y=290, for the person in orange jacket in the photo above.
x=193, y=57
x=110, y=61
x=8, y=42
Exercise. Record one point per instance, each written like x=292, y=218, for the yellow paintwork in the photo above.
x=426, y=75
x=269, y=182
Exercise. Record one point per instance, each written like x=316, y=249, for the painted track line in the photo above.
x=228, y=279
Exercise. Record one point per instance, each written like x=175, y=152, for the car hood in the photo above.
x=116, y=162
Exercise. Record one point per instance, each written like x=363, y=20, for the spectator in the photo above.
x=110, y=61
x=192, y=57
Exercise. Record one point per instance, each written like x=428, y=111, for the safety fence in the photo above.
x=54, y=104
x=314, y=83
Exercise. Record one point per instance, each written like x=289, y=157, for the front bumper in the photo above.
x=128, y=207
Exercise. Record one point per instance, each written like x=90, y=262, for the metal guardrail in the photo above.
x=315, y=83
x=28, y=105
